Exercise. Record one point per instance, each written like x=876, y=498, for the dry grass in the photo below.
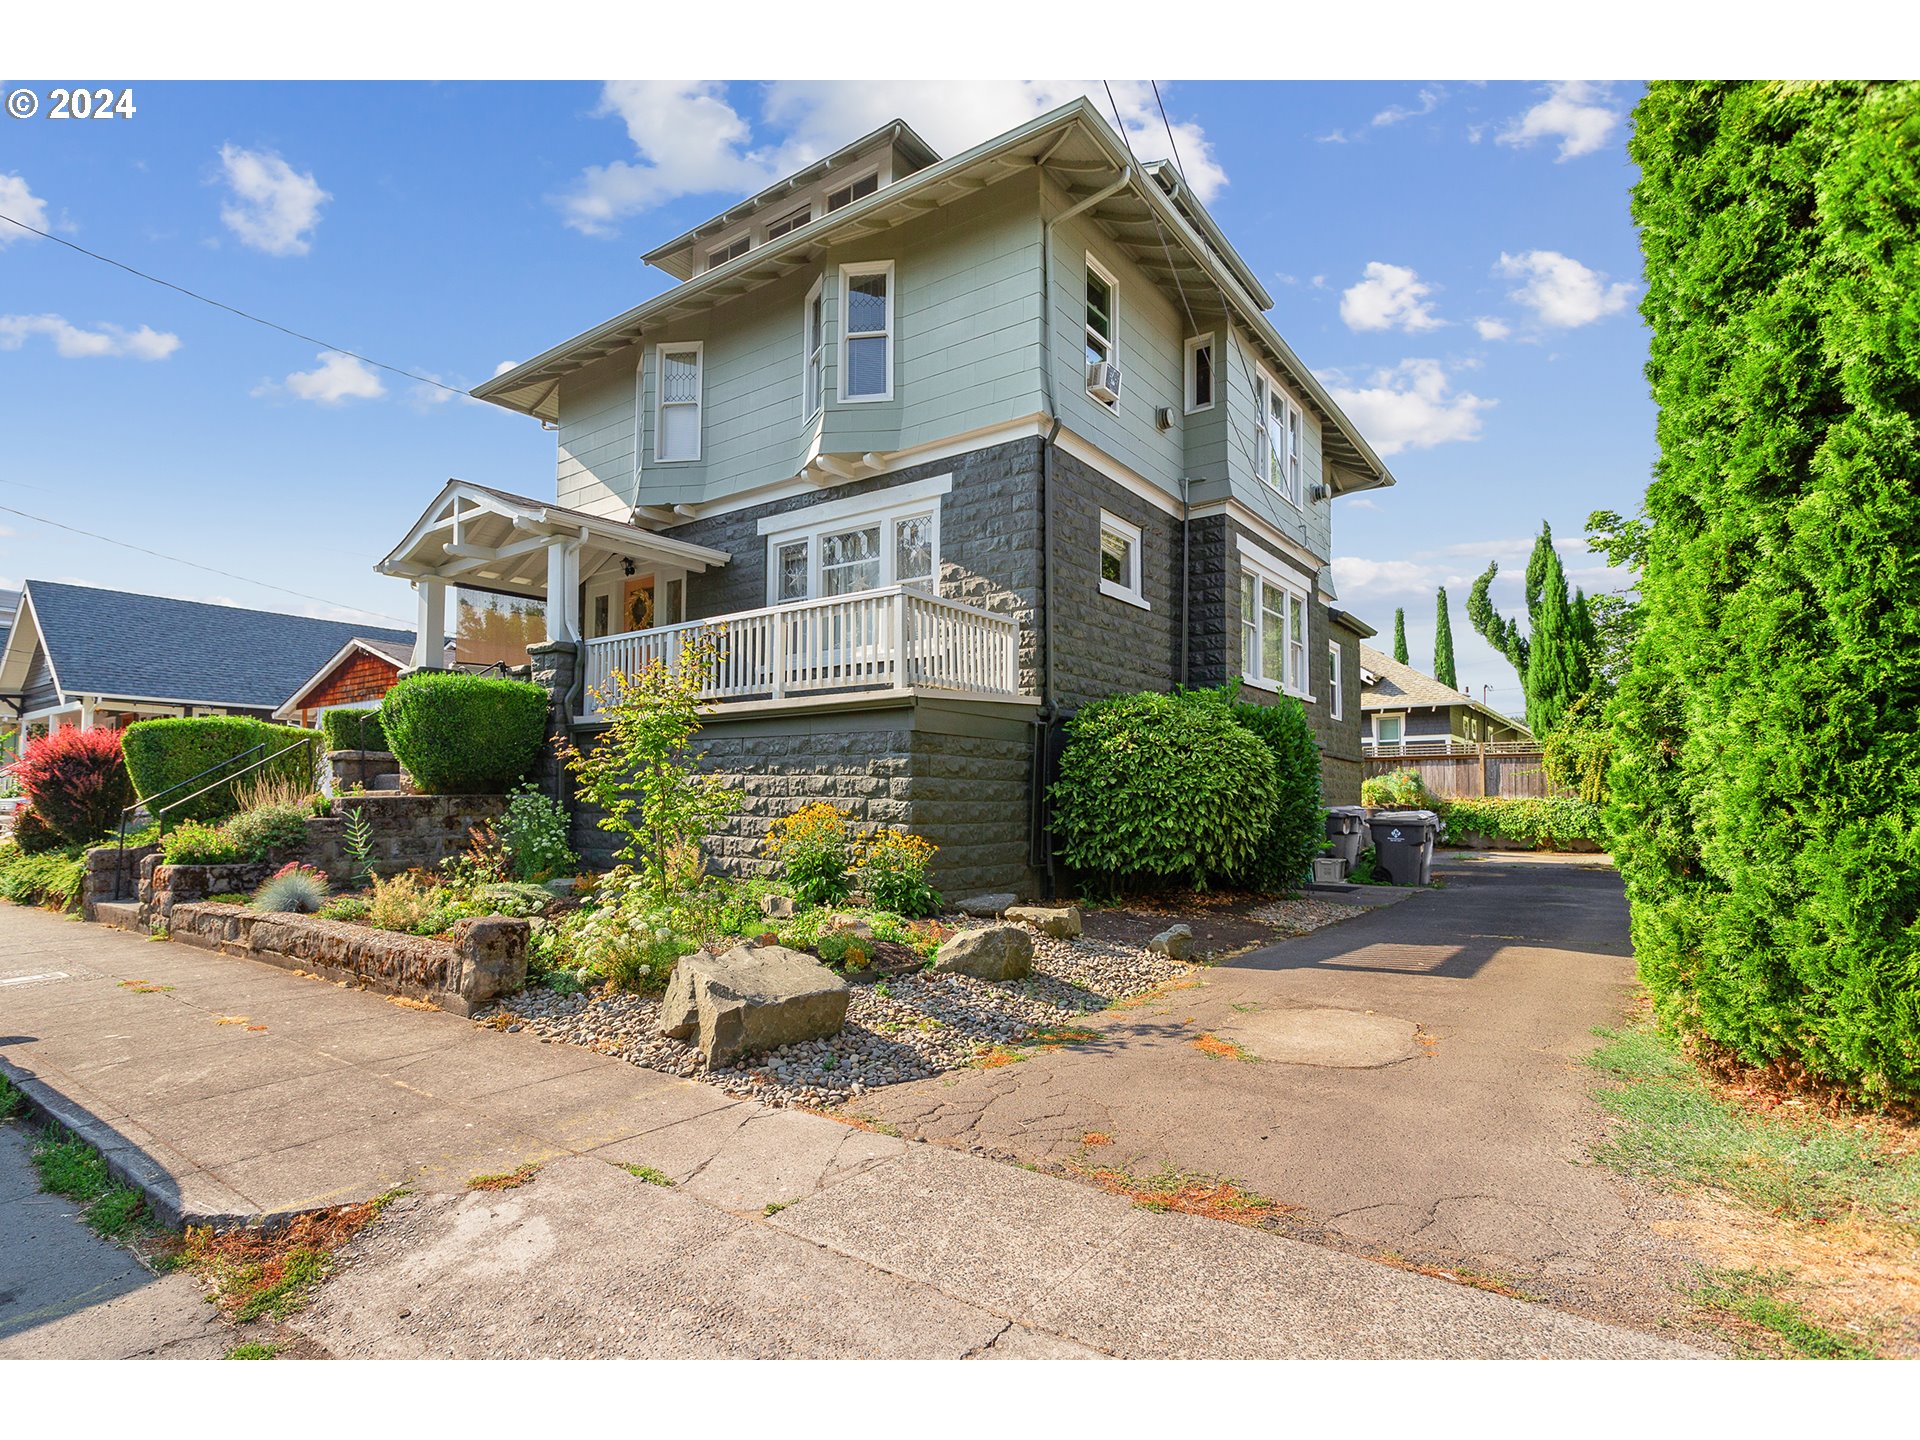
x=1214, y=1048
x=144, y=987
x=254, y=1274
x=407, y=1002
x=264, y=788
x=509, y=1180
x=1095, y=1138
x=1182, y=1193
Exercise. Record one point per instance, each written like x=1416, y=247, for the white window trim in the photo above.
x=714, y=259
x=1113, y=321
x=808, y=410
x=1381, y=715
x=846, y=182
x=871, y=267
x=1336, y=693
x=766, y=232
x=1194, y=346
x=699, y=404
x=903, y=502
x=1130, y=593
x=1265, y=385
x=1269, y=569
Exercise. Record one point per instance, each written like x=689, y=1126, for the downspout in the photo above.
x=1186, y=573
x=1049, y=712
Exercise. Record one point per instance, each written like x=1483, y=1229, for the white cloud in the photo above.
x=1390, y=297
x=693, y=137
x=1492, y=329
x=275, y=207
x=1362, y=502
x=1430, y=98
x=1562, y=293
x=71, y=342
x=504, y=366
x=18, y=201
x=1411, y=406
x=337, y=379
x=1581, y=114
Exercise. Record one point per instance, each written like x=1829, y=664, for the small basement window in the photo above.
x=1120, y=560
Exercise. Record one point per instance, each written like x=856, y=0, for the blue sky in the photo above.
x=1456, y=260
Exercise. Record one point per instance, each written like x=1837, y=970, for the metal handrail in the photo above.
x=120, y=856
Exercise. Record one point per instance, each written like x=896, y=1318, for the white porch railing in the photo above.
x=894, y=639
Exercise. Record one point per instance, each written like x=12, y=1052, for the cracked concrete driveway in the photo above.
x=1411, y=1079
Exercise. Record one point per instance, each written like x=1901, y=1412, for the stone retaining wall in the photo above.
x=482, y=960
x=358, y=769
x=409, y=831
x=111, y=874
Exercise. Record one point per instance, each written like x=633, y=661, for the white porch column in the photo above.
x=86, y=712
x=563, y=589
x=430, y=630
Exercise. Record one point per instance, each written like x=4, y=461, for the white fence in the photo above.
x=892, y=639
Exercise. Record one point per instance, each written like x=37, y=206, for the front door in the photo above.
x=637, y=604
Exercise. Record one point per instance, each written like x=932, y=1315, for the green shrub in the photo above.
x=164, y=753
x=353, y=730
x=294, y=889
x=459, y=734
x=1543, y=824
x=47, y=877
x=267, y=830
x=33, y=834
x=193, y=843
x=1764, y=795
x=1158, y=789
x=533, y=832
x=843, y=951
x=1576, y=755
x=1396, y=790
x=892, y=869
x=1298, y=829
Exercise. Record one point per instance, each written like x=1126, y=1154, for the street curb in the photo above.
x=132, y=1166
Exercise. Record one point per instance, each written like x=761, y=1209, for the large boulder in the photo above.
x=1175, y=942
x=987, y=907
x=1062, y=922
x=999, y=952
x=750, y=1000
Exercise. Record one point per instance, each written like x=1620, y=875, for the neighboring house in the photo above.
x=1403, y=712
x=355, y=676
x=9, y=734
x=952, y=448
x=81, y=656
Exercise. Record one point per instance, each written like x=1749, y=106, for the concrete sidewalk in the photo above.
x=226, y=1089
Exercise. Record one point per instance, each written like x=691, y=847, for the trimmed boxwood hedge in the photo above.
x=458, y=734
x=1544, y=824
x=1298, y=830
x=164, y=753
x=353, y=730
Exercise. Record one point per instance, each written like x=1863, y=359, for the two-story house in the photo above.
x=942, y=450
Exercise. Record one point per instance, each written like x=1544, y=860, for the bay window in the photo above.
x=866, y=331
x=1277, y=438
x=676, y=433
x=1273, y=633
x=814, y=340
x=862, y=544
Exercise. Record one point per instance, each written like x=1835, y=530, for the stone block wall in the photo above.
x=111, y=874
x=954, y=772
x=359, y=769
x=409, y=831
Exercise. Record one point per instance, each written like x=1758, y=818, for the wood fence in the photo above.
x=1463, y=773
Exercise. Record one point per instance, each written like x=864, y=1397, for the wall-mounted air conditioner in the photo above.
x=1103, y=381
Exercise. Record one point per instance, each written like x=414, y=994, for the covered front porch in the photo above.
x=620, y=594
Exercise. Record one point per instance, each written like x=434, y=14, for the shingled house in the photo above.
x=77, y=655
x=1403, y=712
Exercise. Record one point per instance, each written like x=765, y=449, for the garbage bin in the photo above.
x=1403, y=844
x=1347, y=830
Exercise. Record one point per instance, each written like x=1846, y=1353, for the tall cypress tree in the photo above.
x=1556, y=673
x=1443, y=670
x=1400, y=636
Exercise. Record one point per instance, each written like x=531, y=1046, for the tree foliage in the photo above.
x=1400, y=636
x=1766, y=799
x=1554, y=655
x=1443, y=665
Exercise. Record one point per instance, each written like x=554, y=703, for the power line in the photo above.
x=1172, y=144
x=234, y=309
x=195, y=564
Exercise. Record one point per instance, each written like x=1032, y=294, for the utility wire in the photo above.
x=1193, y=326
x=227, y=574
x=234, y=310
x=1172, y=144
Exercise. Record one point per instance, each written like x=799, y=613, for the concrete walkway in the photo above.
x=1413, y=1083
x=229, y=1089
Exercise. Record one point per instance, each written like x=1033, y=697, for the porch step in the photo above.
x=120, y=914
x=393, y=780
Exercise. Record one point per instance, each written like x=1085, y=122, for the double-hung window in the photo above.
x=856, y=546
x=1199, y=374
x=1278, y=438
x=866, y=331
x=1336, y=693
x=676, y=433
x=814, y=339
x=1273, y=630
x=1102, y=320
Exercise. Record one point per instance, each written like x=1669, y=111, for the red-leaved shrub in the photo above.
x=77, y=782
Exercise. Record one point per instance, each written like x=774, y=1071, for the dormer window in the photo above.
x=847, y=194
x=733, y=251
x=787, y=224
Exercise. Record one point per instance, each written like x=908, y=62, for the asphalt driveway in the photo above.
x=1411, y=1079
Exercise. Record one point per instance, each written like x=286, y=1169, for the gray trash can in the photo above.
x=1403, y=844
x=1347, y=830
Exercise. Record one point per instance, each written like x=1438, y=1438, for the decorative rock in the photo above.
x=561, y=885
x=751, y=1000
x=1062, y=922
x=1175, y=942
x=777, y=907
x=852, y=926
x=999, y=952
x=987, y=906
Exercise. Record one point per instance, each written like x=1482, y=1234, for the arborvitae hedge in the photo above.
x=1766, y=791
